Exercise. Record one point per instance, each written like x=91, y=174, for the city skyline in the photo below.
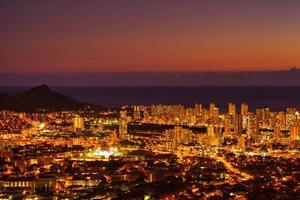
x=150, y=152
x=150, y=100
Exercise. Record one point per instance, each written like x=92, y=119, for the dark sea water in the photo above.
x=275, y=97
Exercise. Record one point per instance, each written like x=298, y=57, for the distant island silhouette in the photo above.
x=280, y=77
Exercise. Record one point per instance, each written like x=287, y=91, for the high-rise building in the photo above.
x=183, y=136
x=123, y=134
x=291, y=116
x=244, y=109
x=256, y=127
x=78, y=123
x=213, y=112
x=231, y=108
x=198, y=108
x=281, y=118
x=238, y=125
x=263, y=115
x=178, y=135
x=250, y=125
x=211, y=131
x=137, y=113
x=277, y=133
x=212, y=108
x=294, y=131
x=242, y=142
x=227, y=129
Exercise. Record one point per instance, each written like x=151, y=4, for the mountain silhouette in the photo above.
x=40, y=97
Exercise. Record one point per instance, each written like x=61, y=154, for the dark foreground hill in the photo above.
x=40, y=97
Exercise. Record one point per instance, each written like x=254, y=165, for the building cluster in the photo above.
x=151, y=152
x=240, y=125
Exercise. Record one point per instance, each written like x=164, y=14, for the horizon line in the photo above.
x=156, y=71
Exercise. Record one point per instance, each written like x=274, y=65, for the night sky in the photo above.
x=61, y=36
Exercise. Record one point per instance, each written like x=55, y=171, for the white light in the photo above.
x=102, y=153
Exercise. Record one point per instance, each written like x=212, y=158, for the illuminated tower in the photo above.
x=242, y=142
x=291, y=116
x=277, y=133
x=177, y=136
x=256, y=128
x=137, y=113
x=294, y=131
x=182, y=136
x=213, y=139
x=198, y=108
x=211, y=131
x=231, y=108
x=281, y=118
x=227, y=129
x=238, y=125
x=123, y=135
x=212, y=108
x=213, y=112
x=78, y=123
x=244, y=109
x=263, y=115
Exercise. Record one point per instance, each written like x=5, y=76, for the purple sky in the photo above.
x=62, y=36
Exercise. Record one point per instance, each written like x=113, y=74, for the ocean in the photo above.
x=275, y=97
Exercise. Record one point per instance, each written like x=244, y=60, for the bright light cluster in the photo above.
x=102, y=153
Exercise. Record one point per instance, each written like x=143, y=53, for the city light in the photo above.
x=102, y=153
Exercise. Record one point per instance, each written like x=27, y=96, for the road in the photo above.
x=230, y=167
